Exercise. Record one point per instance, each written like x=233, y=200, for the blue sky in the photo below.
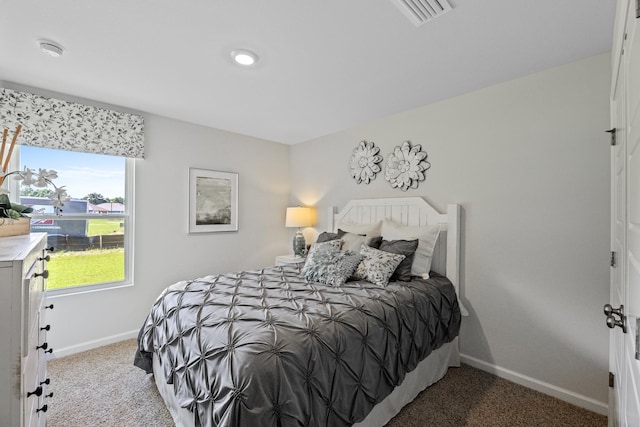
x=80, y=173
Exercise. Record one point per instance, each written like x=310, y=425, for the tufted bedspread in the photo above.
x=267, y=348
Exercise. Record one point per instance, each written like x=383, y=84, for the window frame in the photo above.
x=127, y=217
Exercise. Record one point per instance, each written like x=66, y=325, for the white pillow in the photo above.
x=352, y=242
x=371, y=230
x=427, y=237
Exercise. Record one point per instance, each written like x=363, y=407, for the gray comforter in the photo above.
x=267, y=348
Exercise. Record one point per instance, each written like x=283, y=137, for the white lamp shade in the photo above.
x=299, y=217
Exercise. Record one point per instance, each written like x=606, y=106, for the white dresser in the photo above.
x=24, y=386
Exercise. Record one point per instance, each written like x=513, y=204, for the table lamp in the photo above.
x=299, y=217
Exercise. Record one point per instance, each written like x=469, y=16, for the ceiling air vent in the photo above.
x=421, y=11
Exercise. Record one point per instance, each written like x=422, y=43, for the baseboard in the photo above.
x=89, y=345
x=541, y=386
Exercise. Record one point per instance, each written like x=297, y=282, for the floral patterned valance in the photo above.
x=62, y=125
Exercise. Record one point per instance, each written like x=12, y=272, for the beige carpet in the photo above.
x=101, y=387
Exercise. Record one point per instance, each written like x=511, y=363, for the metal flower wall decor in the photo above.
x=364, y=162
x=405, y=167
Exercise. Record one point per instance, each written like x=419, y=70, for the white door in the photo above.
x=625, y=276
x=631, y=392
x=618, y=242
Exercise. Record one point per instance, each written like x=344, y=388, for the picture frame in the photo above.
x=213, y=201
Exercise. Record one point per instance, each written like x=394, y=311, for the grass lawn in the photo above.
x=84, y=268
x=96, y=227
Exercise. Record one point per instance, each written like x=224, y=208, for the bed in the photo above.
x=272, y=347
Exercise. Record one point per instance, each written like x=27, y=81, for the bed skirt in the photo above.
x=428, y=372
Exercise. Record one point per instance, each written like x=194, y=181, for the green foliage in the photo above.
x=68, y=269
x=35, y=192
x=95, y=198
x=12, y=210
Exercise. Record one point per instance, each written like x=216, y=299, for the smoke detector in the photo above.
x=51, y=48
x=422, y=11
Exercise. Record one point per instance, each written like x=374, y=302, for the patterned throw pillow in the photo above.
x=377, y=266
x=327, y=264
x=340, y=267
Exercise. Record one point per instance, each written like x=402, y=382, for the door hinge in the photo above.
x=612, y=131
x=612, y=379
x=612, y=261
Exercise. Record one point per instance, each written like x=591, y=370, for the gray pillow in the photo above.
x=401, y=247
x=325, y=237
x=375, y=242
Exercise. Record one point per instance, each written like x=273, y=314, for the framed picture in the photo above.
x=213, y=201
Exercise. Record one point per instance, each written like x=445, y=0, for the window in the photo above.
x=93, y=237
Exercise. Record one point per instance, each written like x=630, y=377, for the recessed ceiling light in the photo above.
x=51, y=48
x=244, y=57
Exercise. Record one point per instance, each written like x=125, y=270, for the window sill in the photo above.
x=86, y=289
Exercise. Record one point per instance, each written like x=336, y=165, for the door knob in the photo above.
x=609, y=310
x=612, y=322
x=612, y=313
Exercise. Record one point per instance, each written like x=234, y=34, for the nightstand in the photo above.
x=289, y=259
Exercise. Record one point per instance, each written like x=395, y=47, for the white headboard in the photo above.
x=411, y=211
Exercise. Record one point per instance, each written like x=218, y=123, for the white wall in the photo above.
x=164, y=252
x=529, y=162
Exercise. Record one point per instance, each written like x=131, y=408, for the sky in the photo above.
x=80, y=173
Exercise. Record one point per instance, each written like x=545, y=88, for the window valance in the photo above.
x=52, y=123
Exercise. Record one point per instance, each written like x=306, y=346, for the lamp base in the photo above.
x=299, y=244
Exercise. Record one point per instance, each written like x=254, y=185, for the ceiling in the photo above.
x=324, y=66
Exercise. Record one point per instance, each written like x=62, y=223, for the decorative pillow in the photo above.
x=327, y=264
x=427, y=237
x=341, y=266
x=324, y=247
x=319, y=255
x=402, y=247
x=377, y=266
x=372, y=230
x=352, y=242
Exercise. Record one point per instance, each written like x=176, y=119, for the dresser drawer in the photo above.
x=32, y=389
x=33, y=288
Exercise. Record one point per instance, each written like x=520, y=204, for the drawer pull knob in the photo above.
x=50, y=306
x=44, y=274
x=45, y=258
x=46, y=328
x=43, y=346
x=50, y=249
x=49, y=395
x=49, y=351
x=36, y=392
x=47, y=381
x=43, y=409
